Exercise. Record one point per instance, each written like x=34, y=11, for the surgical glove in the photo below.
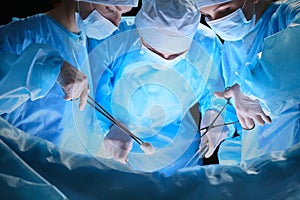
x=118, y=144
x=211, y=140
x=248, y=110
x=74, y=83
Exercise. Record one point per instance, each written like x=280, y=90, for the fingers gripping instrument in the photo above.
x=145, y=146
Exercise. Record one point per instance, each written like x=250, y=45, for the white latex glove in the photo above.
x=74, y=83
x=248, y=110
x=117, y=144
x=211, y=140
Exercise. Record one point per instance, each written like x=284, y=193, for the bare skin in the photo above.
x=218, y=11
x=65, y=13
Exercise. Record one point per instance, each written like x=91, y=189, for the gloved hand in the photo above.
x=118, y=144
x=74, y=83
x=211, y=140
x=248, y=110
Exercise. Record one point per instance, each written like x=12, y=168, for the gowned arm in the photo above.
x=30, y=75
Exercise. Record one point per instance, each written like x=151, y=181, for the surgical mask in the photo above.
x=95, y=25
x=234, y=26
x=159, y=62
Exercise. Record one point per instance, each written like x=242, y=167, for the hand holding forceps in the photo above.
x=203, y=131
x=145, y=146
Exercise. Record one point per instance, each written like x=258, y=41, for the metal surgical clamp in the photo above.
x=199, y=154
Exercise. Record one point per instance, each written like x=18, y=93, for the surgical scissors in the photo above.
x=211, y=125
x=206, y=129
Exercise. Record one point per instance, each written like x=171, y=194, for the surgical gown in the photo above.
x=32, y=50
x=266, y=65
x=153, y=98
x=29, y=70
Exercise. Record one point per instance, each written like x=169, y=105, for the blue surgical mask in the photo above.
x=233, y=26
x=95, y=25
x=159, y=62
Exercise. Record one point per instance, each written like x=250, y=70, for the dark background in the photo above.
x=19, y=8
x=24, y=8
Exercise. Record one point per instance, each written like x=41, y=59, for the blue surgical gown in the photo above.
x=266, y=65
x=153, y=99
x=30, y=49
x=38, y=63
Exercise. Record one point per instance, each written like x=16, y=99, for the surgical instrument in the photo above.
x=145, y=146
x=206, y=129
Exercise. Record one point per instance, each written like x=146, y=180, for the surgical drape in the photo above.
x=34, y=168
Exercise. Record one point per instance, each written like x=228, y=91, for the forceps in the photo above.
x=199, y=154
x=106, y=114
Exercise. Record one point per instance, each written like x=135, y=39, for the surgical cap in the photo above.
x=168, y=26
x=204, y=3
x=133, y=3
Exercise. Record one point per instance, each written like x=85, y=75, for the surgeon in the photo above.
x=261, y=71
x=44, y=66
x=167, y=62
